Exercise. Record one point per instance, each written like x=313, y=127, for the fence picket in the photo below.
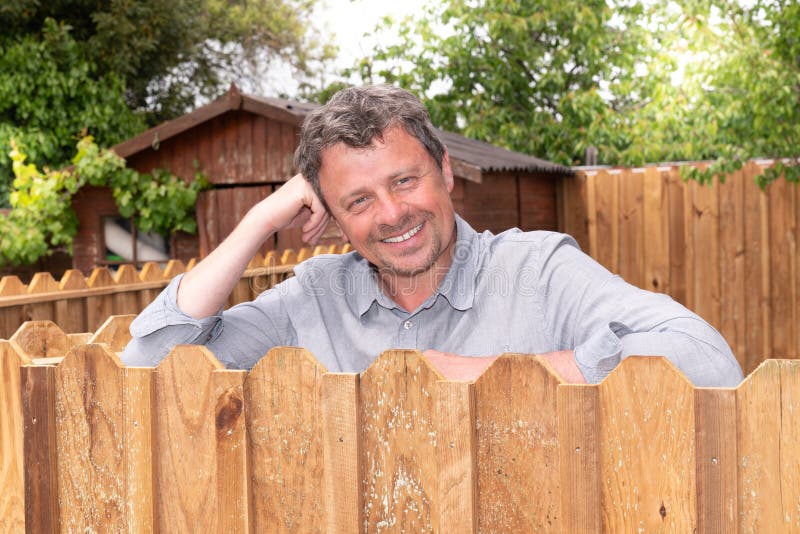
x=398, y=436
x=286, y=456
x=342, y=449
x=99, y=307
x=41, y=339
x=115, y=332
x=649, y=484
x=184, y=417
x=90, y=440
x=517, y=446
x=12, y=475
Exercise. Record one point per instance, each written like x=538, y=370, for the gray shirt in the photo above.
x=526, y=292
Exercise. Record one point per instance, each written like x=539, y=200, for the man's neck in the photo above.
x=409, y=292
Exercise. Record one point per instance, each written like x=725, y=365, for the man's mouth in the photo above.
x=408, y=235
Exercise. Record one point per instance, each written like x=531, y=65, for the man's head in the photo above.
x=357, y=117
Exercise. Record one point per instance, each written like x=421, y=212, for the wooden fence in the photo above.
x=727, y=251
x=287, y=447
x=80, y=304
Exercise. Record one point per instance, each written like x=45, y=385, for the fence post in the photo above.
x=12, y=474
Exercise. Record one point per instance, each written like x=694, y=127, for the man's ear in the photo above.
x=447, y=171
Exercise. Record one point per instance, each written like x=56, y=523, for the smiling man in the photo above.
x=420, y=277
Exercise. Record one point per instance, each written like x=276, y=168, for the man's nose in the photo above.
x=391, y=210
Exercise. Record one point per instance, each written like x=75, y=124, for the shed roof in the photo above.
x=470, y=158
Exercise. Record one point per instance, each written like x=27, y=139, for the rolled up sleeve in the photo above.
x=604, y=320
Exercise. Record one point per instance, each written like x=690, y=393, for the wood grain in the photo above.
x=99, y=307
x=655, y=231
x=39, y=449
x=41, y=339
x=715, y=432
x=186, y=447
x=90, y=440
x=399, y=441
x=647, y=454
x=115, y=332
x=12, y=475
x=342, y=452
x=631, y=227
x=282, y=393
x=732, y=221
x=578, y=441
x=517, y=446
x=456, y=459
x=71, y=313
x=232, y=472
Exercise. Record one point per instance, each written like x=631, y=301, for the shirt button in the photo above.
x=407, y=325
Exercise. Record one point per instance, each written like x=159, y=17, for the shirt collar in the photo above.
x=458, y=286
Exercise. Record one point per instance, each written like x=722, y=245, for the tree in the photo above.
x=50, y=93
x=642, y=82
x=170, y=53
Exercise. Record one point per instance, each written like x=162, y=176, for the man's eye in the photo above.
x=358, y=201
x=405, y=180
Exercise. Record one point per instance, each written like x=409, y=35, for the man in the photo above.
x=420, y=276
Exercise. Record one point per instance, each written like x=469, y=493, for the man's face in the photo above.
x=392, y=202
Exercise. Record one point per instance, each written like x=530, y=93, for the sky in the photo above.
x=347, y=21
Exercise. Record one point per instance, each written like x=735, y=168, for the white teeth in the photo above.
x=401, y=238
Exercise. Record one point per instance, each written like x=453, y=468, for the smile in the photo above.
x=408, y=235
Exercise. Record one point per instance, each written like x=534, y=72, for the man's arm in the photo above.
x=604, y=320
x=188, y=310
x=205, y=289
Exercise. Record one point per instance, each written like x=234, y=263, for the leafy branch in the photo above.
x=42, y=218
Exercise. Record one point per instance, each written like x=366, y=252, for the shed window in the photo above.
x=124, y=243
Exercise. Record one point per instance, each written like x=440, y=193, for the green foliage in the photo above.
x=49, y=94
x=169, y=52
x=642, y=82
x=41, y=217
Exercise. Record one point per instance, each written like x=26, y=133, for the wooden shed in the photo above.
x=244, y=145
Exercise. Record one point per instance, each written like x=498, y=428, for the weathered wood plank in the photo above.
x=186, y=484
x=631, y=227
x=517, y=446
x=41, y=339
x=115, y=332
x=232, y=472
x=607, y=200
x=282, y=393
x=99, y=307
x=39, y=449
x=12, y=474
x=579, y=447
x=342, y=452
x=783, y=251
x=140, y=444
x=71, y=313
x=647, y=456
x=705, y=220
x=656, y=231
x=456, y=459
x=90, y=440
x=398, y=433
x=715, y=433
x=677, y=237
x=756, y=338
x=732, y=221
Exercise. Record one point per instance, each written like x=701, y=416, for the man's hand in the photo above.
x=293, y=205
x=455, y=367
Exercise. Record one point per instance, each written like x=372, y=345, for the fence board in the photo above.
x=677, y=239
x=41, y=283
x=130, y=301
x=578, y=439
x=285, y=439
x=41, y=339
x=99, y=307
x=232, y=472
x=71, y=313
x=456, y=458
x=655, y=231
x=756, y=338
x=606, y=192
x=115, y=332
x=139, y=447
x=342, y=448
x=647, y=397
x=732, y=264
x=12, y=478
x=631, y=229
x=706, y=246
x=782, y=257
x=90, y=439
x=184, y=421
x=399, y=439
x=715, y=432
x=517, y=446
x=39, y=448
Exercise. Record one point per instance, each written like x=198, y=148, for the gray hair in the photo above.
x=357, y=116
